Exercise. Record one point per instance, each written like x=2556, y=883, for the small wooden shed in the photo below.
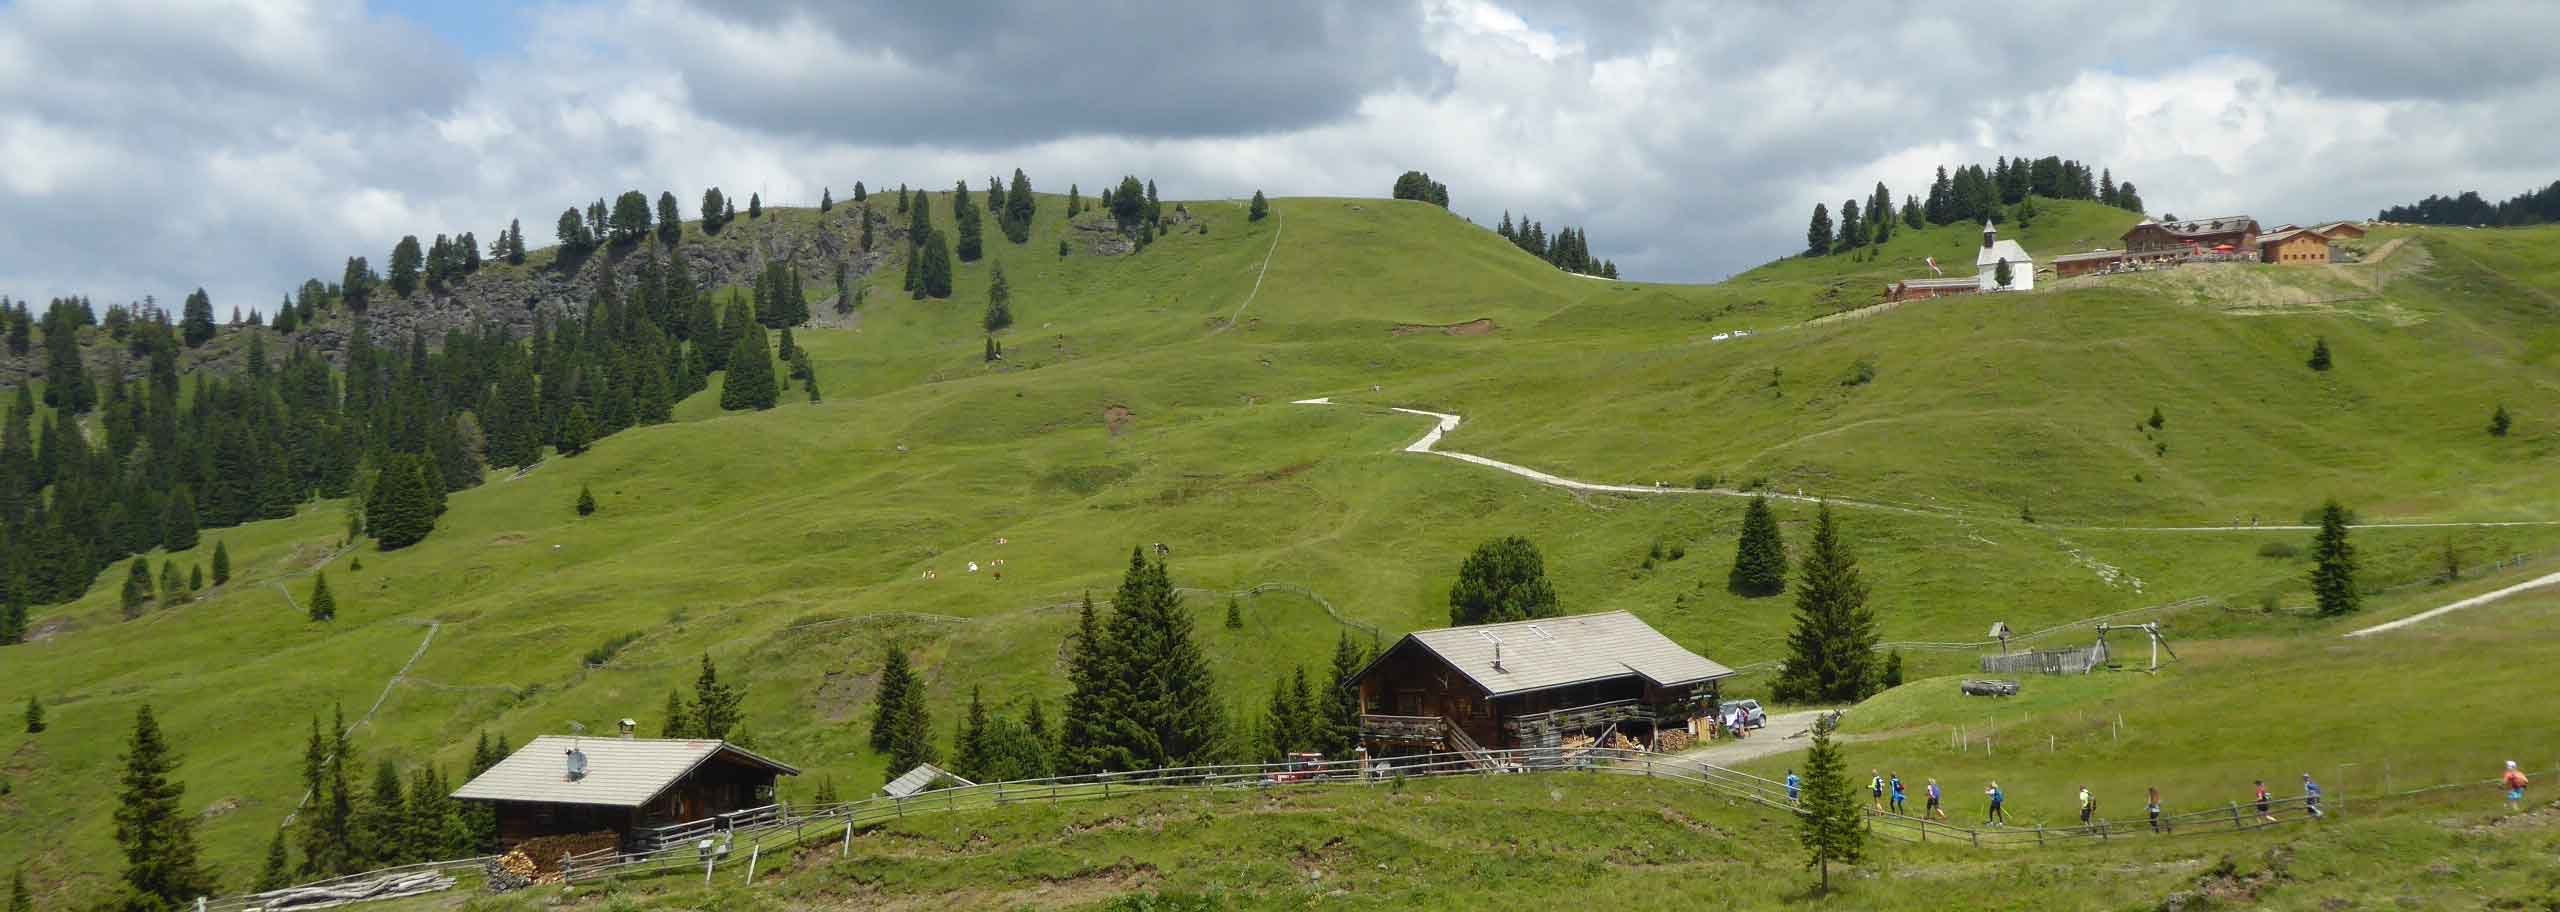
x=1532, y=684
x=558, y=785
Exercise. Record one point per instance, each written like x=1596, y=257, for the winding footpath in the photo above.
x=1445, y=423
x=2550, y=579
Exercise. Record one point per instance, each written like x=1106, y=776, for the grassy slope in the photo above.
x=790, y=545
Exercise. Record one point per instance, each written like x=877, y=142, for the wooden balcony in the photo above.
x=1429, y=730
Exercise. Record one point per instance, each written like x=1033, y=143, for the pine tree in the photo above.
x=755, y=205
x=1829, y=826
x=2333, y=569
x=1081, y=721
x=404, y=511
x=969, y=749
x=934, y=273
x=2319, y=354
x=826, y=199
x=1235, y=614
x=715, y=705
x=323, y=607
x=750, y=383
x=965, y=219
x=999, y=300
x=2000, y=274
x=713, y=206
x=1075, y=201
x=195, y=578
x=276, y=875
x=910, y=727
x=2500, y=422
x=196, y=326
x=1019, y=208
x=178, y=528
x=1160, y=706
x=1260, y=207
x=1342, y=707
x=859, y=193
x=137, y=587
x=153, y=827
x=1760, y=557
x=34, y=716
x=586, y=501
x=377, y=823
x=1817, y=234
x=173, y=591
x=1853, y=233
x=19, y=899
x=670, y=217
x=897, y=685
x=678, y=720
x=1503, y=580
x=405, y=263
x=1830, y=655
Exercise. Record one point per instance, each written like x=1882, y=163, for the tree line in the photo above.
x=1569, y=249
x=1971, y=193
x=2532, y=207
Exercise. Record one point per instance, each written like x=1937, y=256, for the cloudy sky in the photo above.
x=151, y=146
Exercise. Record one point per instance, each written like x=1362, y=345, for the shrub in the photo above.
x=1860, y=373
x=2276, y=550
x=605, y=652
x=1705, y=481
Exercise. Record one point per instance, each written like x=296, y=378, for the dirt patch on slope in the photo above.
x=1476, y=327
x=1118, y=418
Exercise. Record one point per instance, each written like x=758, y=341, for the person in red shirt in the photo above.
x=2265, y=804
x=2515, y=782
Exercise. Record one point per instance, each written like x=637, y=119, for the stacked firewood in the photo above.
x=1673, y=741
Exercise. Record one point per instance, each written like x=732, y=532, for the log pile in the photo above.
x=1620, y=742
x=511, y=872
x=1990, y=688
x=332, y=895
x=1672, y=741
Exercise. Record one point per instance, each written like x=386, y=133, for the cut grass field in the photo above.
x=792, y=545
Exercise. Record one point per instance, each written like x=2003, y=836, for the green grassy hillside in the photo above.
x=793, y=545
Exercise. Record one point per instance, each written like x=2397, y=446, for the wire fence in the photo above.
x=736, y=842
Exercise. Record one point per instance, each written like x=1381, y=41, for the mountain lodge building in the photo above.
x=1531, y=684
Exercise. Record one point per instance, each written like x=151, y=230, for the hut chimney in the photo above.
x=1497, y=655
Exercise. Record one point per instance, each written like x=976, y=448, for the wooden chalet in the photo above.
x=2341, y=231
x=1918, y=289
x=2297, y=247
x=1531, y=684
x=559, y=785
x=2240, y=232
x=2080, y=264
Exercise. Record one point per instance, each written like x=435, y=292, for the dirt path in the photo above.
x=2472, y=602
x=1445, y=422
x=1785, y=734
x=1279, y=223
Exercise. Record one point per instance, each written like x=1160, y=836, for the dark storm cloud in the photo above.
x=996, y=72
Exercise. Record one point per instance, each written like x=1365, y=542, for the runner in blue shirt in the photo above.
x=2311, y=796
x=1998, y=817
x=1795, y=788
x=1897, y=793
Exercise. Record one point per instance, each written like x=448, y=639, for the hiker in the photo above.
x=1875, y=788
x=2152, y=806
x=1897, y=794
x=2311, y=797
x=1795, y=788
x=1934, y=810
x=2515, y=782
x=1997, y=816
x=2088, y=806
x=2264, y=804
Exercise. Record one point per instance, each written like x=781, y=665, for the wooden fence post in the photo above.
x=2235, y=816
x=2039, y=835
x=755, y=852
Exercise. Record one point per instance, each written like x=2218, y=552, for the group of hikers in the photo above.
x=1885, y=790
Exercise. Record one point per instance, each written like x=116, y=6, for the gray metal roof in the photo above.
x=1553, y=652
x=2003, y=250
x=2266, y=239
x=620, y=773
x=918, y=779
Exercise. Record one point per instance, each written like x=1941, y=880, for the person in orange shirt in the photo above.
x=2515, y=782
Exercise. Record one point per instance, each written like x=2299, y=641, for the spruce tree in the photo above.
x=1080, y=723
x=1260, y=208
x=2000, y=274
x=1019, y=208
x=897, y=682
x=2319, y=354
x=323, y=607
x=277, y=874
x=755, y=205
x=2333, y=569
x=196, y=326
x=1817, y=234
x=586, y=501
x=137, y=587
x=1760, y=557
x=153, y=827
x=2500, y=422
x=195, y=578
x=377, y=822
x=826, y=199
x=577, y=431
x=1503, y=580
x=969, y=750
x=715, y=705
x=1342, y=707
x=908, y=727
x=1235, y=614
x=173, y=590
x=1828, y=825
x=1160, y=705
x=678, y=719
x=750, y=383
x=971, y=243
x=19, y=899
x=934, y=274
x=34, y=716
x=670, y=218
x=999, y=300
x=178, y=529
x=1830, y=657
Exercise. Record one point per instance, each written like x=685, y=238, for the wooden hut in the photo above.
x=1531, y=684
x=2298, y=247
x=558, y=785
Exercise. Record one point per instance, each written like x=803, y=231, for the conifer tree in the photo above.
x=323, y=607
x=195, y=578
x=755, y=205
x=2333, y=564
x=902, y=198
x=586, y=501
x=1255, y=211
x=1080, y=722
x=826, y=199
x=34, y=716
x=2000, y=274
x=678, y=721
x=715, y=705
x=19, y=899
x=1075, y=201
x=1853, y=233
x=378, y=820
x=750, y=383
x=971, y=243
x=178, y=529
x=933, y=276
x=1019, y=208
x=1342, y=707
x=999, y=300
x=1817, y=234
x=2319, y=354
x=1760, y=557
x=670, y=217
x=1235, y=614
x=860, y=194
x=865, y=216
x=1829, y=826
x=152, y=825
x=897, y=684
x=137, y=587
x=909, y=735
x=713, y=204
x=405, y=263
x=403, y=509
x=2500, y=422
x=1160, y=704
x=276, y=875
x=196, y=325
x=969, y=749
x=173, y=592
x=1830, y=656
x=1503, y=580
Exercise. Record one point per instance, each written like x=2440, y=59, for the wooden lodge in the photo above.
x=2341, y=231
x=1532, y=684
x=558, y=785
x=2295, y=247
x=2080, y=264
x=1920, y=289
x=2238, y=232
